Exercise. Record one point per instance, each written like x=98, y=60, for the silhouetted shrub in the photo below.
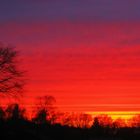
x=14, y=112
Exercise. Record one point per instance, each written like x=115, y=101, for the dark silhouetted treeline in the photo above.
x=14, y=124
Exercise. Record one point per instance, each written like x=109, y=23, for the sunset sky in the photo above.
x=85, y=53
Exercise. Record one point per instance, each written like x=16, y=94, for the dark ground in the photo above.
x=24, y=130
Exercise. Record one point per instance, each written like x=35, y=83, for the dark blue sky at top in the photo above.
x=14, y=10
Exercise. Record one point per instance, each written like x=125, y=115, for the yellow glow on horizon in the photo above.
x=116, y=114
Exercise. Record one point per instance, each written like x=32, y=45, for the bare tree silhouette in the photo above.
x=119, y=122
x=11, y=78
x=2, y=114
x=78, y=120
x=45, y=109
x=103, y=120
x=135, y=121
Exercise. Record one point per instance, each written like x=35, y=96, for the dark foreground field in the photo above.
x=24, y=130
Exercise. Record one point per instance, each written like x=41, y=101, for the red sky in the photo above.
x=86, y=66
